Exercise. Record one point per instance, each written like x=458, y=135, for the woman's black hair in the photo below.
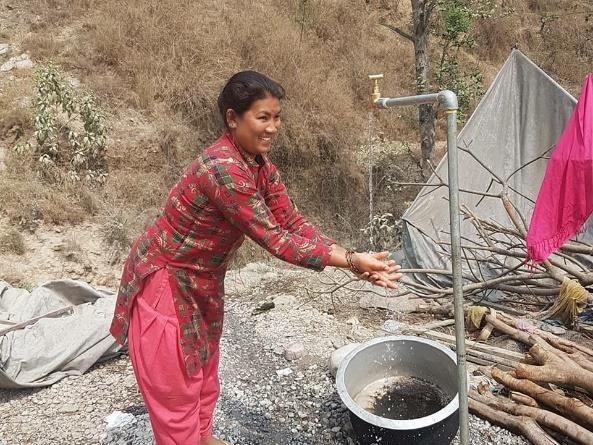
x=244, y=88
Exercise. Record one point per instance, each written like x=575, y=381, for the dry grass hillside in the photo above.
x=156, y=67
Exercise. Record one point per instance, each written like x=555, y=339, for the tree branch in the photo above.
x=399, y=31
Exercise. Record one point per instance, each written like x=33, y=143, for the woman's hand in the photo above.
x=377, y=269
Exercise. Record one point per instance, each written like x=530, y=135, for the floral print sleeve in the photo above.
x=236, y=191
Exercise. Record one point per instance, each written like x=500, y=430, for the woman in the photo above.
x=170, y=301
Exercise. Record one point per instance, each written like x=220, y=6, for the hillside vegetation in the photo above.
x=156, y=67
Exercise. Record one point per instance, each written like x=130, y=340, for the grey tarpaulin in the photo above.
x=521, y=116
x=52, y=348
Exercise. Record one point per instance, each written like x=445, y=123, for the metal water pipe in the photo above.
x=448, y=100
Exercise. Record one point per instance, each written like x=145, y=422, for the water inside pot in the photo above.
x=402, y=398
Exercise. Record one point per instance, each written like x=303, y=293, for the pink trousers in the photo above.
x=180, y=407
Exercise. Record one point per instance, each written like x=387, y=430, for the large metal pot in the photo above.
x=408, y=356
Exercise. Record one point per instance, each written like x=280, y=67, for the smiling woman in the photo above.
x=171, y=298
x=252, y=128
x=255, y=130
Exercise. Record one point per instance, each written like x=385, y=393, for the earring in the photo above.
x=233, y=125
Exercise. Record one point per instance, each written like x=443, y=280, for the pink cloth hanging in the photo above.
x=565, y=198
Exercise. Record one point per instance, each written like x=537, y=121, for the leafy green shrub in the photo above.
x=383, y=232
x=68, y=129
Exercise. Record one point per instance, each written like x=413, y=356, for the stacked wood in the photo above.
x=478, y=353
x=495, y=258
x=538, y=385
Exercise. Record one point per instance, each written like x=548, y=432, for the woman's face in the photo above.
x=255, y=130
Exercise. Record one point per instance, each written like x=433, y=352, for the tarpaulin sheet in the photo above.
x=53, y=348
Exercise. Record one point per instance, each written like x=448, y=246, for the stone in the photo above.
x=284, y=300
x=4, y=48
x=338, y=355
x=117, y=419
x=283, y=372
x=74, y=82
x=392, y=326
x=7, y=66
x=19, y=62
x=338, y=342
x=24, y=64
x=130, y=381
x=68, y=408
x=353, y=321
x=294, y=351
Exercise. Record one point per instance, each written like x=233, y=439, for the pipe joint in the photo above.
x=448, y=99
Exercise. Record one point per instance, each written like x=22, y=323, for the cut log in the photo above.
x=430, y=326
x=509, y=364
x=581, y=359
x=486, y=332
x=435, y=309
x=554, y=340
x=524, y=399
x=541, y=416
x=569, y=407
x=522, y=425
x=514, y=333
x=555, y=367
x=564, y=348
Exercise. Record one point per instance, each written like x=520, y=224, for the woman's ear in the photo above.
x=231, y=118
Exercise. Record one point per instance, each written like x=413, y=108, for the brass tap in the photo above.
x=375, y=94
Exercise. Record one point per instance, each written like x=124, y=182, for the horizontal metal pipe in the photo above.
x=447, y=98
x=384, y=102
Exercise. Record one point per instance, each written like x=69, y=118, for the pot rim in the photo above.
x=392, y=424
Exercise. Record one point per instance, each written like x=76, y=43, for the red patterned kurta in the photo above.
x=222, y=196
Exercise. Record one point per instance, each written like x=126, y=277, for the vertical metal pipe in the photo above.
x=449, y=100
x=452, y=160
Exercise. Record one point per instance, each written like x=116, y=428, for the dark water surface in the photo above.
x=402, y=398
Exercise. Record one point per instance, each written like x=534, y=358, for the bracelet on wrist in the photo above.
x=351, y=265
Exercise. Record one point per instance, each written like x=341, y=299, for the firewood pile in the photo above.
x=544, y=395
x=495, y=259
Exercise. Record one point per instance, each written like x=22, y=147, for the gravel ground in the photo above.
x=265, y=398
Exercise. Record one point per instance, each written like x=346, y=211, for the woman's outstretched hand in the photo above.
x=377, y=269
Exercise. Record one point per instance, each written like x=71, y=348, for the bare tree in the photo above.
x=421, y=14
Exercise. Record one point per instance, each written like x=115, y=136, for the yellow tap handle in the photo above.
x=376, y=94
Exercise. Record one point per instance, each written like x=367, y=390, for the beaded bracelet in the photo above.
x=351, y=265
